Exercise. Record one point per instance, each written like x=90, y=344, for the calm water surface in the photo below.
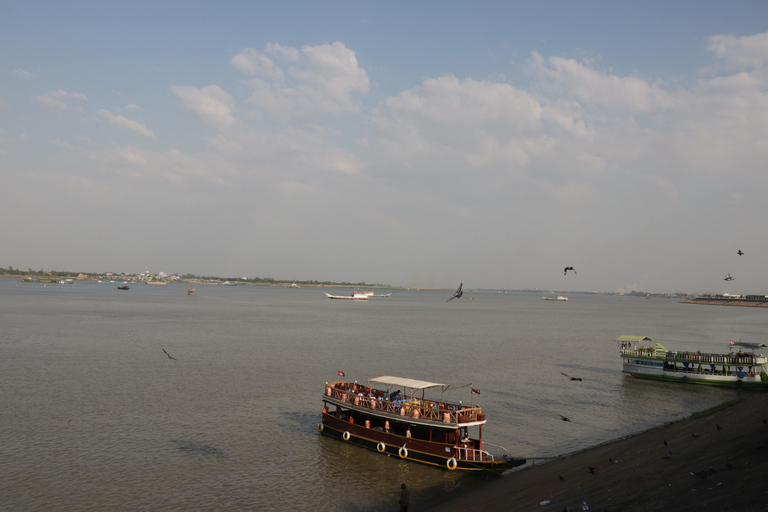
x=95, y=417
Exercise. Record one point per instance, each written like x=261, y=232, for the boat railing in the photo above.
x=405, y=406
x=466, y=453
x=695, y=356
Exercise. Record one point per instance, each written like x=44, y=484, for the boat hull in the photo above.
x=653, y=370
x=435, y=454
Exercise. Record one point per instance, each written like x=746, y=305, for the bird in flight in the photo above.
x=572, y=378
x=457, y=294
x=564, y=418
x=565, y=272
x=740, y=253
x=169, y=355
x=728, y=277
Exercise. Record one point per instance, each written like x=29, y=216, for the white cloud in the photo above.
x=60, y=143
x=302, y=82
x=22, y=74
x=56, y=99
x=211, y=104
x=740, y=52
x=579, y=81
x=132, y=107
x=126, y=124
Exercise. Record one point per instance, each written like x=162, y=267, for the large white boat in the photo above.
x=744, y=365
x=398, y=419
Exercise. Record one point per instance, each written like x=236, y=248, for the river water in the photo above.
x=96, y=417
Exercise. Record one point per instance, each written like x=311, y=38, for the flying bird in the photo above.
x=169, y=355
x=564, y=418
x=740, y=253
x=457, y=294
x=565, y=272
x=728, y=277
x=572, y=378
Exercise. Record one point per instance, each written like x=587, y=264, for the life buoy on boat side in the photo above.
x=381, y=447
x=320, y=427
x=451, y=463
x=403, y=452
x=345, y=435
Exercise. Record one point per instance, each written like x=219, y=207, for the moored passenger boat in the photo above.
x=397, y=422
x=743, y=366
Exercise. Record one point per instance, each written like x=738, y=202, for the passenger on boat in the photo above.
x=408, y=433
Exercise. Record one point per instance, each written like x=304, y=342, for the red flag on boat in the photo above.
x=475, y=391
x=341, y=374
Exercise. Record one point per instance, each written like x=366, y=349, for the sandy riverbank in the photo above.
x=727, y=452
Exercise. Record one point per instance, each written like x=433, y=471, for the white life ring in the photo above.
x=345, y=435
x=319, y=427
x=451, y=463
x=403, y=452
x=381, y=447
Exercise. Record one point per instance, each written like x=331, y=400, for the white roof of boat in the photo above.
x=745, y=344
x=633, y=338
x=406, y=383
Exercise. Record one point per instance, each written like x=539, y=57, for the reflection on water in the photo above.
x=97, y=417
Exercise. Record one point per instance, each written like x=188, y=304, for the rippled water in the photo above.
x=96, y=417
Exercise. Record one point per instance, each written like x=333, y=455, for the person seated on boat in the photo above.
x=408, y=433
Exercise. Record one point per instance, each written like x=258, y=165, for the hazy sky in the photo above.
x=407, y=143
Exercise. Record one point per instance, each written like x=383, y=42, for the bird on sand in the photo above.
x=457, y=294
x=565, y=272
x=669, y=455
x=169, y=355
x=665, y=442
x=591, y=469
x=740, y=253
x=694, y=435
x=572, y=378
x=564, y=418
x=561, y=478
x=719, y=427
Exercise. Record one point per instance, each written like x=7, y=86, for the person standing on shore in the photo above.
x=405, y=498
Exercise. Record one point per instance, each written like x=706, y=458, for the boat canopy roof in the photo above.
x=406, y=383
x=744, y=344
x=633, y=338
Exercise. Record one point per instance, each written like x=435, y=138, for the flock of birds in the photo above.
x=728, y=276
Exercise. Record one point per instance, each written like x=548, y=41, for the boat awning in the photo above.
x=744, y=344
x=406, y=383
x=633, y=338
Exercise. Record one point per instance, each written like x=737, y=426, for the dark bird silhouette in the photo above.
x=740, y=253
x=665, y=442
x=169, y=355
x=591, y=469
x=719, y=427
x=765, y=422
x=561, y=478
x=457, y=294
x=728, y=277
x=695, y=435
x=565, y=272
x=572, y=378
x=612, y=461
x=564, y=418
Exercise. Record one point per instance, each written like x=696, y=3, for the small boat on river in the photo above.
x=743, y=366
x=354, y=296
x=124, y=287
x=405, y=423
x=558, y=298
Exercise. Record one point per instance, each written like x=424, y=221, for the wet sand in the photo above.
x=710, y=468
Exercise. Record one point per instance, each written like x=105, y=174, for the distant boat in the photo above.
x=191, y=291
x=126, y=287
x=354, y=296
x=559, y=297
x=155, y=282
x=747, y=367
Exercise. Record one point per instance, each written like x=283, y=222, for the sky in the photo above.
x=418, y=144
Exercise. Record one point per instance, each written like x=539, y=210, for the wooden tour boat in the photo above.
x=412, y=427
x=743, y=366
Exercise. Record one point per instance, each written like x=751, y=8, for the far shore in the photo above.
x=717, y=460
